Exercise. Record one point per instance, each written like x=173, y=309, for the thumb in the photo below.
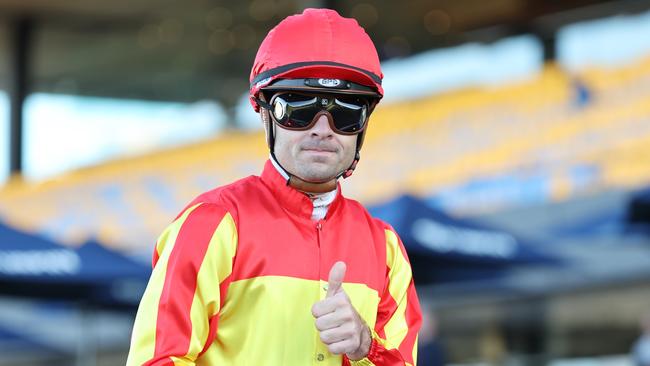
x=337, y=273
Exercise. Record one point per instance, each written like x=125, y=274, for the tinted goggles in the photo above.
x=348, y=114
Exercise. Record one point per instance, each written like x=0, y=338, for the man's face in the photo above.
x=318, y=154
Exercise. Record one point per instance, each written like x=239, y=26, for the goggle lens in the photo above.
x=297, y=111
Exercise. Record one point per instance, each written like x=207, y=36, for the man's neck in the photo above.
x=309, y=187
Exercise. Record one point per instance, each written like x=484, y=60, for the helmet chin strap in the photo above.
x=299, y=183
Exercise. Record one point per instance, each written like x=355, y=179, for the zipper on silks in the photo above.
x=319, y=229
x=319, y=348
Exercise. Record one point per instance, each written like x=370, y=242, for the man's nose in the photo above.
x=322, y=127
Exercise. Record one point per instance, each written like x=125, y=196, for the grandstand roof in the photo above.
x=186, y=51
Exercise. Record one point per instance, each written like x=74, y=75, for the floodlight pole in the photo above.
x=20, y=46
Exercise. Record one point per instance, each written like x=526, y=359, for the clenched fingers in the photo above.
x=330, y=304
x=330, y=321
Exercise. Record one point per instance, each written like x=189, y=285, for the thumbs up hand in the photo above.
x=340, y=326
x=335, y=279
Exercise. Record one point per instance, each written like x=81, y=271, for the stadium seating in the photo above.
x=552, y=136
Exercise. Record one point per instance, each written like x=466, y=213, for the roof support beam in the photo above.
x=19, y=86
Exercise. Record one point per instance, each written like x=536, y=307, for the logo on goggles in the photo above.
x=329, y=83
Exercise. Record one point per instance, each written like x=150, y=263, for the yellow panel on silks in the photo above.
x=272, y=315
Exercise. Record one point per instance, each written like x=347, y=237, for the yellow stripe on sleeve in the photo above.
x=415, y=349
x=143, y=338
x=216, y=266
x=399, y=276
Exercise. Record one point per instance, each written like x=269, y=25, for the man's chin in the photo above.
x=318, y=173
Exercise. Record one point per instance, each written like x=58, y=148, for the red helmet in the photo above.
x=319, y=43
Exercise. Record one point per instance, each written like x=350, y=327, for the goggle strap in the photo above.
x=262, y=103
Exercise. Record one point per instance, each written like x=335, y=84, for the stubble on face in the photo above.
x=315, y=155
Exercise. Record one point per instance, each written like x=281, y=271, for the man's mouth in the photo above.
x=320, y=150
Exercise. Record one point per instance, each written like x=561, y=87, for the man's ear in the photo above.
x=266, y=121
x=265, y=116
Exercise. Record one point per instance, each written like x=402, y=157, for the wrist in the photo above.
x=364, y=345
